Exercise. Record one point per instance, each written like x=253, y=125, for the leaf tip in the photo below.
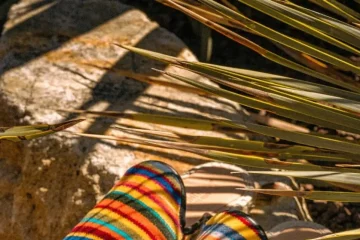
x=67, y=124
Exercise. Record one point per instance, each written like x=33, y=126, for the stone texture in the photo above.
x=270, y=211
x=47, y=185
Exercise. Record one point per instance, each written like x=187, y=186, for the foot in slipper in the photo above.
x=149, y=202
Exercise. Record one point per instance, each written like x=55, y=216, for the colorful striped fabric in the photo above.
x=147, y=203
x=231, y=225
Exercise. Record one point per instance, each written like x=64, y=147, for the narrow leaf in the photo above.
x=20, y=133
x=346, y=235
x=312, y=195
x=225, y=125
x=327, y=176
x=290, y=42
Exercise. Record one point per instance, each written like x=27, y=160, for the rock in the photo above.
x=48, y=184
x=270, y=211
x=297, y=230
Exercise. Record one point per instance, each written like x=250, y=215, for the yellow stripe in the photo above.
x=234, y=224
x=151, y=185
x=119, y=221
x=87, y=235
x=150, y=203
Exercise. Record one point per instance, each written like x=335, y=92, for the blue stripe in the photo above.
x=256, y=227
x=142, y=204
x=157, y=177
x=108, y=225
x=225, y=231
x=76, y=238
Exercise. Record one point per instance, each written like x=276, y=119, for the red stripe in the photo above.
x=161, y=174
x=93, y=231
x=245, y=221
x=152, y=195
x=127, y=216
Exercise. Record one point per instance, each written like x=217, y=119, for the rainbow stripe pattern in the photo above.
x=231, y=225
x=148, y=203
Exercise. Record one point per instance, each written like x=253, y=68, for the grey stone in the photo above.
x=270, y=211
x=48, y=184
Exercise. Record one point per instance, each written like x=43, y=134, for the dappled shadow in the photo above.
x=4, y=9
x=52, y=19
x=137, y=199
x=41, y=28
x=42, y=19
x=53, y=24
x=44, y=28
x=157, y=152
x=148, y=194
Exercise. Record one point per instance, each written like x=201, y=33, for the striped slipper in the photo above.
x=147, y=203
x=230, y=225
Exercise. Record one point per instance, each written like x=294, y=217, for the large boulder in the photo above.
x=47, y=185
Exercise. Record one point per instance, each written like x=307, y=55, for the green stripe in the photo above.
x=142, y=208
x=103, y=217
x=109, y=225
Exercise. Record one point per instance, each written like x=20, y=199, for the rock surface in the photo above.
x=270, y=211
x=47, y=185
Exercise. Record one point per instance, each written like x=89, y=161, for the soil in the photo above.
x=336, y=216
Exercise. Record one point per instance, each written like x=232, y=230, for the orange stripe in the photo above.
x=131, y=214
x=87, y=235
x=153, y=185
x=99, y=227
x=154, y=200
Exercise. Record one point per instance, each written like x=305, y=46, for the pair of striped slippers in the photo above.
x=149, y=202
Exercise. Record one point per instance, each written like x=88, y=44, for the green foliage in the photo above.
x=21, y=133
x=333, y=102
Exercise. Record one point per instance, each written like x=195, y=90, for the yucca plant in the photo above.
x=28, y=132
x=333, y=102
